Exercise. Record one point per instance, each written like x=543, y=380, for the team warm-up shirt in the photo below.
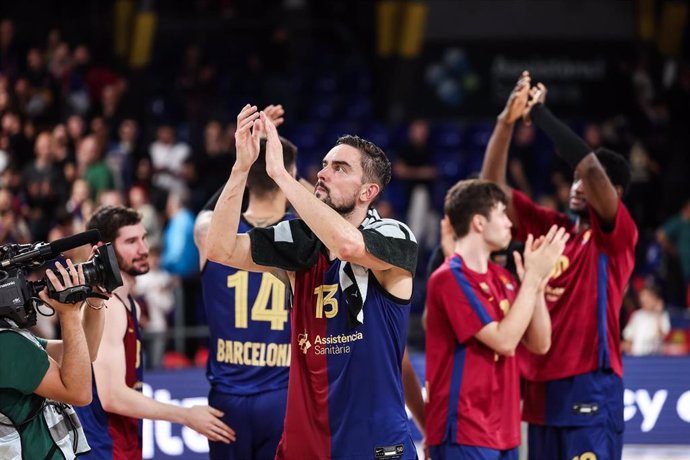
x=584, y=297
x=114, y=436
x=249, y=327
x=345, y=397
x=473, y=393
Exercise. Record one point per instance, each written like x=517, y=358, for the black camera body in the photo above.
x=19, y=296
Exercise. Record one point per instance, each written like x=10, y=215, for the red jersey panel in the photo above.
x=473, y=392
x=584, y=294
x=113, y=436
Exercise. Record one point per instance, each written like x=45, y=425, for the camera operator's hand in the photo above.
x=94, y=302
x=70, y=277
x=68, y=378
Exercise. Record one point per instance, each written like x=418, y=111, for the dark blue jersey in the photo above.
x=249, y=326
x=345, y=399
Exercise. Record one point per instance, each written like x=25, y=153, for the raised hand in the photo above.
x=537, y=95
x=206, y=420
x=276, y=113
x=247, y=136
x=517, y=101
x=274, y=149
x=540, y=258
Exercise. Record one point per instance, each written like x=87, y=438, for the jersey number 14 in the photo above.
x=271, y=289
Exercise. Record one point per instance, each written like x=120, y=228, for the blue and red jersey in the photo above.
x=249, y=327
x=473, y=393
x=345, y=396
x=113, y=436
x=584, y=297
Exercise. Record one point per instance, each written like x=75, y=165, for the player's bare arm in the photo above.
x=504, y=336
x=413, y=392
x=495, y=161
x=600, y=192
x=342, y=238
x=118, y=398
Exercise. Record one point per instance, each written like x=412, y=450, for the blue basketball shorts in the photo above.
x=257, y=421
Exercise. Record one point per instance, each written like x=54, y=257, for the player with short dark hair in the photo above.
x=351, y=274
x=573, y=395
x=476, y=318
x=112, y=422
x=249, y=326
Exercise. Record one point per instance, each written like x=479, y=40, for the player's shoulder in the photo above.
x=442, y=272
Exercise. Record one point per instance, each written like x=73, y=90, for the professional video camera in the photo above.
x=19, y=297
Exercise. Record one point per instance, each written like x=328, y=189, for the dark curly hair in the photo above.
x=108, y=220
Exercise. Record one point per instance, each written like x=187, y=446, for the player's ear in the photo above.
x=370, y=191
x=478, y=222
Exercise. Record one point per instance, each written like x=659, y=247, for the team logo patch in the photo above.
x=586, y=236
x=303, y=342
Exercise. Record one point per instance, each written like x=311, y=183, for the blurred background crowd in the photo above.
x=133, y=102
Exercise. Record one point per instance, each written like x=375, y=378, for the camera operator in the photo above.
x=39, y=376
x=111, y=421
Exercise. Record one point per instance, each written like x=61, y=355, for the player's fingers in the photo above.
x=528, y=244
x=559, y=234
x=246, y=110
x=247, y=121
x=551, y=234
x=224, y=430
x=215, y=411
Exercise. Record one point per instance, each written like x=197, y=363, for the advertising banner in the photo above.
x=657, y=406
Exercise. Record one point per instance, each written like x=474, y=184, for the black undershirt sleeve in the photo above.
x=569, y=145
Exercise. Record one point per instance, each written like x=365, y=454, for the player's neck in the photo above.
x=474, y=252
x=265, y=211
x=128, y=283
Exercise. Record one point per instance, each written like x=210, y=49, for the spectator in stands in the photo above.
x=155, y=287
x=168, y=157
x=64, y=158
x=139, y=200
x=13, y=227
x=674, y=237
x=42, y=90
x=79, y=205
x=648, y=326
x=19, y=144
x=180, y=257
x=415, y=168
x=9, y=54
x=217, y=158
x=45, y=186
x=92, y=168
x=75, y=132
x=122, y=154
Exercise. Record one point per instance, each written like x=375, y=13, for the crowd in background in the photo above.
x=77, y=131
